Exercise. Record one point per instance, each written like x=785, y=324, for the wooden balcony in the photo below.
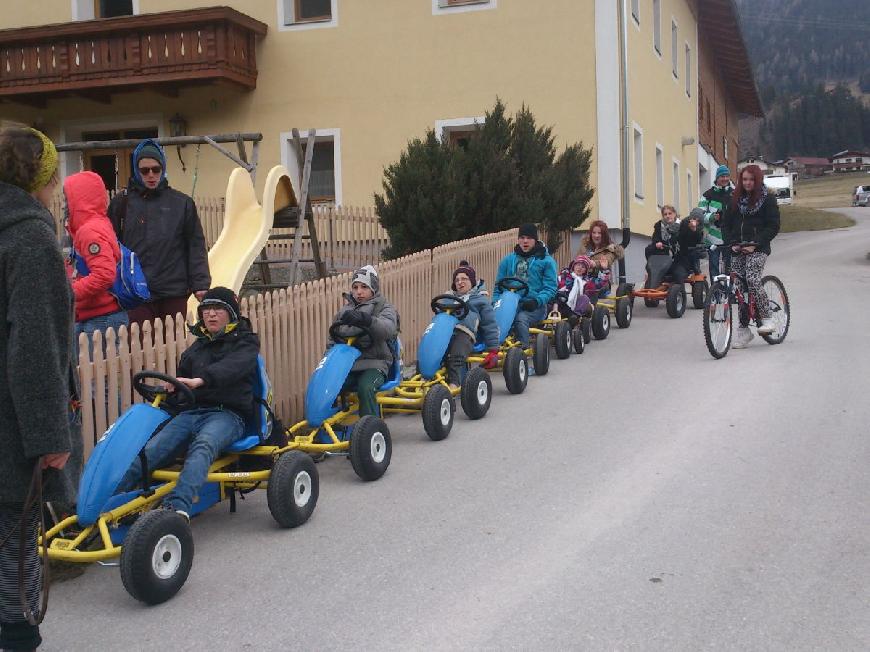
x=96, y=58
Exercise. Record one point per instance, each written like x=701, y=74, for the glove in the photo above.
x=491, y=359
x=529, y=304
x=356, y=318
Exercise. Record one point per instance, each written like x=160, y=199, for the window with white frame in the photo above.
x=677, y=186
x=660, y=176
x=675, y=41
x=690, y=190
x=460, y=6
x=90, y=9
x=307, y=13
x=635, y=10
x=657, y=26
x=638, y=162
x=324, y=185
x=688, y=70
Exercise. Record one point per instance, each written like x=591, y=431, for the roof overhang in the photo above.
x=719, y=23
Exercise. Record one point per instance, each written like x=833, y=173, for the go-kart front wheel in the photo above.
x=676, y=300
x=156, y=556
x=601, y=323
x=623, y=312
x=541, y=356
x=476, y=393
x=562, y=339
x=586, y=329
x=370, y=448
x=578, y=340
x=516, y=370
x=438, y=409
x=293, y=489
x=699, y=294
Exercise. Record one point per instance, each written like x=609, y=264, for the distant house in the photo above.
x=808, y=166
x=766, y=166
x=851, y=161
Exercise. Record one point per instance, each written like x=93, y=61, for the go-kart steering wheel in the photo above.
x=343, y=339
x=449, y=303
x=184, y=395
x=513, y=284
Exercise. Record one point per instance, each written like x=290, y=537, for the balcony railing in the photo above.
x=166, y=50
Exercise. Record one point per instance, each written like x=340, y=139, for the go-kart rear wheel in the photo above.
x=156, y=556
x=623, y=312
x=600, y=323
x=578, y=340
x=541, y=356
x=293, y=488
x=621, y=289
x=676, y=301
x=586, y=329
x=370, y=448
x=562, y=340
x=438, y=409
x=699, y=294
x=476, y=393
x=515, y=370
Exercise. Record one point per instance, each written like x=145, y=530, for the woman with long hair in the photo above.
x=748, y=226
x=597, y=245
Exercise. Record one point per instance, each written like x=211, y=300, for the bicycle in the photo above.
x=729, y=289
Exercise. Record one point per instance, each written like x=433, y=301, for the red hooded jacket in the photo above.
x=94, y=239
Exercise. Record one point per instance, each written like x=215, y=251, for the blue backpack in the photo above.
x=130, y=287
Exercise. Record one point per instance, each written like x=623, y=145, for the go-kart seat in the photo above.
x=395, y=375
x=258, y=426
x=658, y=267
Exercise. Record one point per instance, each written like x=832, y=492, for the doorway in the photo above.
x=113, y=165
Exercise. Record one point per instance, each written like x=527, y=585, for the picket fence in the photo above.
x=292, y=325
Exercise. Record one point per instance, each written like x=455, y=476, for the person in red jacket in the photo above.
x=95, y=241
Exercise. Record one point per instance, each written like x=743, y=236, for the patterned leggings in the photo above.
x=751, y=267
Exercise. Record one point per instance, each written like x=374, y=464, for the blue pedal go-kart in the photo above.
x=427, y=392
x=155, y=546
x=512, y=358
x=331, y=425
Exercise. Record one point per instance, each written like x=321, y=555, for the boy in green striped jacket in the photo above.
x=715, y=203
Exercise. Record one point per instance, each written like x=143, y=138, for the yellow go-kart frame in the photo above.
x=557, y=330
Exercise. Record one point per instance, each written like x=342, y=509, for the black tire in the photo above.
x=578, y=340
x=699, y=294
x=586, y=329
x=778, y=306
x=541, y=355
x=370, y=448
x=623, y=312
x=601, y=323
x=676, y=301
x=718, y=322
x=475, y=395
x=562, y=340
x=293, y=489
x=515, y=370
x=157, y=556
x=621, y=289
x=438, y=411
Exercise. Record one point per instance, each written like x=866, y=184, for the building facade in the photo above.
x=850, y=161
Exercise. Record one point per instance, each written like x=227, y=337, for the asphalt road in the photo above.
x=641, y=496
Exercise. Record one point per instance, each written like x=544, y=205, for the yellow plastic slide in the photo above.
x=246, y=229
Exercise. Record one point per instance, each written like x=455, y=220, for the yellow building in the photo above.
x=369, y=75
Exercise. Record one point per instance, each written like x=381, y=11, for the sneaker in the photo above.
x=743, y=338
x=169, y=507
x=767, y=327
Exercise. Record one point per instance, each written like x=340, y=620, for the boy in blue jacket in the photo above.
x=531, y=262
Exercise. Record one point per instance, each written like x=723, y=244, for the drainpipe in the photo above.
x=626, y=133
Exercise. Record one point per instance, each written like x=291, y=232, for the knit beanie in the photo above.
x=47, y=163
x=149, y=150
x=585, y=260
x=697, y=214
x=722, y=171
x=367, y=275
x=468, y=270
x=528, y=230
x=222, y=298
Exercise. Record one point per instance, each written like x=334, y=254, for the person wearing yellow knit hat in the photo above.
x=39, y=424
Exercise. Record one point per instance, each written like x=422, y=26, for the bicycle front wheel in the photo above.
x=779, y=307
x=717, y=321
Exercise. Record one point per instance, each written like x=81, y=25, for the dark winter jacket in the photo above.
x=673, y=229
x=226, y=363
x=688, y=239
x=95, y=241
x=480, y=319
x=163, y=228
x=37, y=382
x=540, y=272
x=760, y=225
x=376, y=347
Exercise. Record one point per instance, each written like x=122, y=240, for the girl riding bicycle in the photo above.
x=753, y=216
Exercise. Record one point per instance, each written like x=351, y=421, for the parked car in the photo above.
x=861, y=196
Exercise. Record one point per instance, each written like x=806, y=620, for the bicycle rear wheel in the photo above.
x=717, y=321
x=780, y=309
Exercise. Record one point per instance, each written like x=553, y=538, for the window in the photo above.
x=688, y=70
x=638, y=162
x=660, y=176
x=674, y=45
x=307, y=14
x=458, y=131
x=113, y=165
x=690, y=190
x=725, y=148
x=112, y=8
x=460, y=6
x=677, y=186
x=657, y=25
x=635, y=10
x=324, y=185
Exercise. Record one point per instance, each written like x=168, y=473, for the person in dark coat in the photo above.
x=161, y=225
x=687, y=260
x=39, y=418
x=219, y=367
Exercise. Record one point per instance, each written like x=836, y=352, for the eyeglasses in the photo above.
x=153, y=170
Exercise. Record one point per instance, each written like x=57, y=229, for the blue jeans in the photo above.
x=525, y=319
x=722, y=253
x=204, y=433
x=99, y=324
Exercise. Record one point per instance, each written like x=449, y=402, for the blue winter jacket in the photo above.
x=480, y=321
x=542, y=274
